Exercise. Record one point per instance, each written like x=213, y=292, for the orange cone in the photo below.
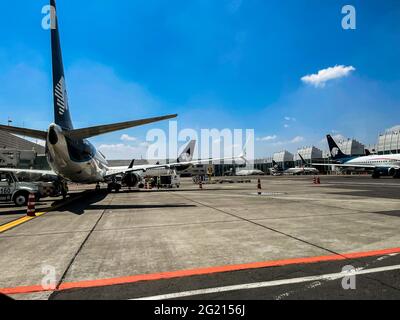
x=259, y=187
x=315, y=180
x=318, y=180
x=31, y=205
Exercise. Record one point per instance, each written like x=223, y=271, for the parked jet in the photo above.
x=186, y=156
x=250, y=173
x=276, y=169
x=304, y=169
x=69, y=153
x=380, y=165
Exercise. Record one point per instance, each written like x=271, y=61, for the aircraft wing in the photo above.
x=31, y=171
x=143, y=168
x=36, y=134
x=98, y=130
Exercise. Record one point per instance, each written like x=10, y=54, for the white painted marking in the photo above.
x=372, y=184
x=257, y=285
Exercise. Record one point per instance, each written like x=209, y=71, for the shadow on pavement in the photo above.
x=138, y=206
x=90, y=200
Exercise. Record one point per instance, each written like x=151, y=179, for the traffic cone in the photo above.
x=315, y=180
x=31, y=205
x=318, y=180
x=259, y=187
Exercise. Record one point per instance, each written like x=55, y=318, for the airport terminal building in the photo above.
x=16, y=152
x=389, y=142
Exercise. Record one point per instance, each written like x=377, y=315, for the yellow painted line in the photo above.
x=15, y=223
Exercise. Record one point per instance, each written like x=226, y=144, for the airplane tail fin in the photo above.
x=303, y=162
x=131, y=164
x=187, y=153
x=334, y=150
x=62, y=115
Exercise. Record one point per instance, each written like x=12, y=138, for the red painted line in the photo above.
x=197, y=272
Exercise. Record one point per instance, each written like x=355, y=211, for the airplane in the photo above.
x=276, y=169
x=247, y=173
x=380, y=165
x=185, y=156
x=304, y=169
x=69, y=153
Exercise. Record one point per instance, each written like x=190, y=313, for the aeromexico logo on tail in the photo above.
x=60, y=93
x=335, y=151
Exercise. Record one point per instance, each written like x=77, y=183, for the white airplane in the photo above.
x=304, y=169
x=185, y=156
x=69, y=153
x=247, y=173
x=380, y=165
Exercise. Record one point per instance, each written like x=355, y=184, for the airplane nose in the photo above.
x=53, y=139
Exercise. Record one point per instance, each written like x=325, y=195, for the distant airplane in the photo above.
x=247, y=173
x=276, y=169
x=380, y=165
x=69, y=153
x=304, y=169
x=185, y=157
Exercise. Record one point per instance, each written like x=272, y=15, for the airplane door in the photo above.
x=7, y=186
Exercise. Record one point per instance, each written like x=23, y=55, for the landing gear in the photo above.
x=113, y=186
x=376, y=175
x=64, y=188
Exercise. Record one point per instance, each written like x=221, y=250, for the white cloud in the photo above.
x=286, y=126
x=126, y=137
x=123, y=151
x=290, y=119
x=268, y=138
x=295, y=140
x=323, y=76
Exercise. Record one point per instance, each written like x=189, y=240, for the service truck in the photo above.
x=11, y=189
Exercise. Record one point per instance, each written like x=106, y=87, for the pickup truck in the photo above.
x=11, y=189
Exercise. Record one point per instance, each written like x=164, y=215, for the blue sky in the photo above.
x=218, y=63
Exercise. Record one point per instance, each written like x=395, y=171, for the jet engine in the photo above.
x=392, y=172
x=131, y=179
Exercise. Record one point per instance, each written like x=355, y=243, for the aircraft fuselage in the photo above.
x=76, y=160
